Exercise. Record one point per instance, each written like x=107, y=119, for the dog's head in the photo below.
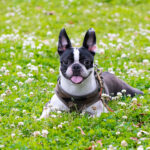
x=77, y=63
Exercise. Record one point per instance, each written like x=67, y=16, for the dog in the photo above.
x=77, y=82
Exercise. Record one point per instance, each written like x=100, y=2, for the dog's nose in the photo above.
x=76, y=67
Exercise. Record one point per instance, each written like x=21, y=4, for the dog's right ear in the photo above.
x=64, y=41
x=89, y=41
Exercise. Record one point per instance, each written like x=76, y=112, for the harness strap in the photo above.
x=77, y=103
x=100, y=79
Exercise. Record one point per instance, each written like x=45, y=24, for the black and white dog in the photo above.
x=77, y=75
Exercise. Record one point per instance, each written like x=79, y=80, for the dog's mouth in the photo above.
x=77, y=79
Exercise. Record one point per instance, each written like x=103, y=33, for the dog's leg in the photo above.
x=115, y=85
x=96, y=109
x=53, y=105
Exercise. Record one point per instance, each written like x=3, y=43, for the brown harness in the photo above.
x=78, y=103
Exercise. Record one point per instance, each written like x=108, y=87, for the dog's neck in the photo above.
x=86, y=87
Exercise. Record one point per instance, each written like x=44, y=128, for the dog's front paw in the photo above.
x=45, y=113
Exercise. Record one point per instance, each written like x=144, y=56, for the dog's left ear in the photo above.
x=90, y=40
x=64, y=41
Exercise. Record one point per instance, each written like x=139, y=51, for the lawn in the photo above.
x=29, y=66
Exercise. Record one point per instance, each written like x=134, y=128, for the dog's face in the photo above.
x=77, y=63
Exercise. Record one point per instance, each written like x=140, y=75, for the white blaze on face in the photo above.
x=76, y=79
x=76, y=55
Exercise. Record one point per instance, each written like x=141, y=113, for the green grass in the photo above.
x=28, y=38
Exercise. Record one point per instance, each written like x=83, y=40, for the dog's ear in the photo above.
x=64, y=41
x=89, y=41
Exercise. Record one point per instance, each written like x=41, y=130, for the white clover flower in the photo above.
x=9, y=63
x=21, y=75
x=8, y=92
x=20, y=123
x=24, y=111
x=45, y=78
x=3, y=69
x=13, y=135
x=20, y=83
x=134, y=100
x=1, y=100
x=114, y=98
x=31, y=94
x=50, y=83
x=2, y=146
x=104, y=95
x=34, y=117
x=122, y=124
x=6, y=73
x=30, y=74
x=31, y=54
x=119, y=94
x=17, y=99
x=119, y=46
x=53, y=116
x=148, y=51
x=59, y=112
x=129, y=95
x=54, y=127
x=33, y=60
x=145, y=61
x=3, y=95
x=110, y=147
x=139, y=134
x=140, y=147
x=14, y=87
x=146, y=109
x=124, y=143
x=141, y=97
x=49, y=33
x=18, y=67
x=132, y=71
x=62, y=123
x=44, y=133
x=110, y=69
x=15, y=109
x=3, y=85
x=101, y=51
x=12, y=125
x=122, y=103
x=36, y=133
x=118, y=132
x=33, y=68
x=46, y=42
x=17, y=117
x=29, y=80
x=12, y=54
x=123, y=91
x=60, y=126
x=51, y=70
x=41, y=53
x=123, y=56
x=124, y=117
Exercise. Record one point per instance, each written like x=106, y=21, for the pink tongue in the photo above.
x=76, y=79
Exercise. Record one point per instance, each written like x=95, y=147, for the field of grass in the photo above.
x=29, y=66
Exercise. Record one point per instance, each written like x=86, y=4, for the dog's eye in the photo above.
x=65, y=62
x=87, y=62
